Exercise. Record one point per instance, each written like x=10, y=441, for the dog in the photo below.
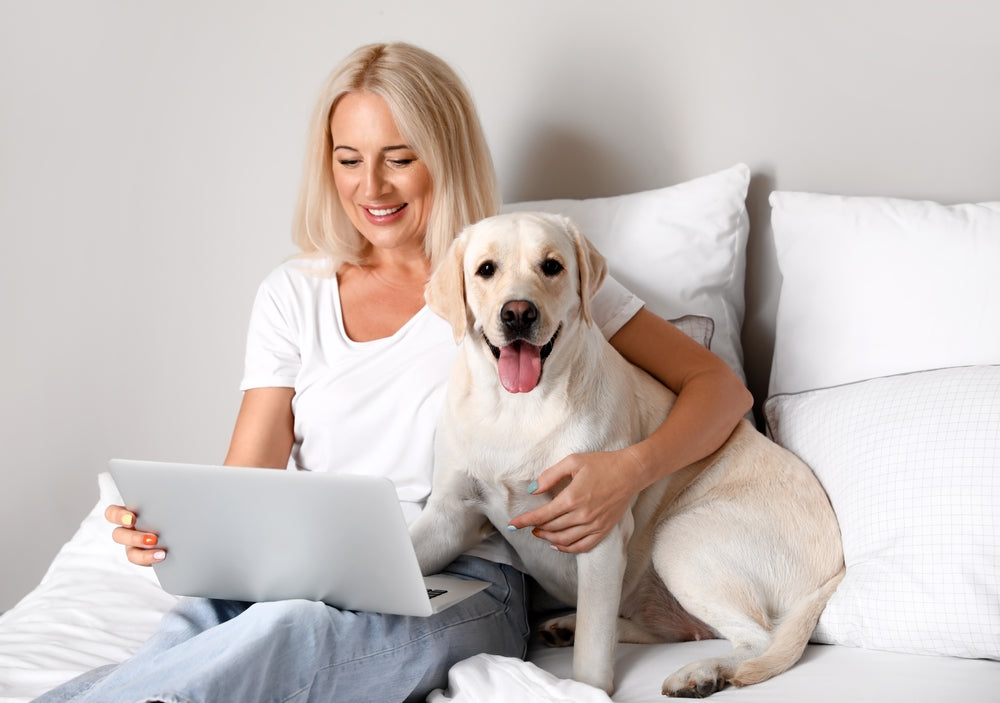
x=742, y=545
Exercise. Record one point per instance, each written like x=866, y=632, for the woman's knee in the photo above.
x=289, y=613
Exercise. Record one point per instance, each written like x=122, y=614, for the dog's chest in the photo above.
x=501, y=501
x=509, y=439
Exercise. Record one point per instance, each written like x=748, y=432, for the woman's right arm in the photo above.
x=262, y=437
x=264, y=429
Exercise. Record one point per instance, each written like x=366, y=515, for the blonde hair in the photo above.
x=435, y=114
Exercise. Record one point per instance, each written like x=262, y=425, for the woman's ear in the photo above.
x=593, y=268
x=445, y=292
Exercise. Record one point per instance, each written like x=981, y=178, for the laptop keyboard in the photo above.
x=435, y=592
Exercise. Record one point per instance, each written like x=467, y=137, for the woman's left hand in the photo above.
x=600, y=489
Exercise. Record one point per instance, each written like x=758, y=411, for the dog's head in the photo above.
x=511, y=283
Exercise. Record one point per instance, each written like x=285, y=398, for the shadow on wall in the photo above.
x=563, y=161
x=761, y=300
x=585, y=127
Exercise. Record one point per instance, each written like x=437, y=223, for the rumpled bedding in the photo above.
x=489, y=678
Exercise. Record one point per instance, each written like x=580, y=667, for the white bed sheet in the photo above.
x=92, y=607
x=825, y=674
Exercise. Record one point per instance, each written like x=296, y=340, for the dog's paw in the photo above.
x=558, y=632
x=694, y=682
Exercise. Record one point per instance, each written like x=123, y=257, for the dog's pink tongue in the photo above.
x=520, y=367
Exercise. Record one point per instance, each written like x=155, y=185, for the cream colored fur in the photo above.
x=743, y=545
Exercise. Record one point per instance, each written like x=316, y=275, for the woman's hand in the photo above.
x=140, y=547
x=600, y=489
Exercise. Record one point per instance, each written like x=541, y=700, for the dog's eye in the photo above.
x=486, y=269
x=551, y=267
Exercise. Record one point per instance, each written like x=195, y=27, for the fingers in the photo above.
x=596, y=493
x=588, y=542
x=144, y=556
x=567, y=527
x=119, y=515
x=539, y=516
x=547, y=481
x=552, y=476
x=140, y=547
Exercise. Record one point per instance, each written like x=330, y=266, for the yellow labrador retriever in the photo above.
x=742, y=545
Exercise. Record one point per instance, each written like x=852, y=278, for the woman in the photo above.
x=345, y=369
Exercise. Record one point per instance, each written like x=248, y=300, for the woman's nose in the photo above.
x=374, y=182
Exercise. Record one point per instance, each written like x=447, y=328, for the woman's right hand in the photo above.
x=140, y=547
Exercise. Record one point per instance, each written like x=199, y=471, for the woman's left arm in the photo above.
x=711, y=400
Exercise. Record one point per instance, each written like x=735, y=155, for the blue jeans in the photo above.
x=299, y=651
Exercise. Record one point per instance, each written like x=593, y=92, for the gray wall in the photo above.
x=150, y=155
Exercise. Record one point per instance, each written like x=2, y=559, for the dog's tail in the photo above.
x=790, y=637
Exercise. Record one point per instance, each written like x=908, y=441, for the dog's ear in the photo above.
x=445, y=292
x=593, y=269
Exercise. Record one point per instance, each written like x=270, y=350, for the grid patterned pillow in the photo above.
x=912, y=467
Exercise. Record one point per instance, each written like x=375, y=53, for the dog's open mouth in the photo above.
x=520, y=364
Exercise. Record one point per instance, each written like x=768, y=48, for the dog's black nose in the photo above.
x=518, y=316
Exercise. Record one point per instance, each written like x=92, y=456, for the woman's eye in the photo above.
x=400, y=163
x=551, y=267
x=486, y=269
x=348, y=163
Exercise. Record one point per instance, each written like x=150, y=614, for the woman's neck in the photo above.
x=377, y=299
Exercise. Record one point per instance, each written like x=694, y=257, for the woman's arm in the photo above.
x=711, y=399
x=264, y=429
x=262, y=438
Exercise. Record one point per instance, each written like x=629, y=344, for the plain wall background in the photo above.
x=150, y=154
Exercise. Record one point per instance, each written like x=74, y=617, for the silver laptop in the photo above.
x=267, y=534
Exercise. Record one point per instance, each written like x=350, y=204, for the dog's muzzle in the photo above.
x=520, y=363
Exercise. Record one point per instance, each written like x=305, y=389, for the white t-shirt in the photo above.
x=365, y=407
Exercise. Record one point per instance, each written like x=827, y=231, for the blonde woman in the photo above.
x=345, y=371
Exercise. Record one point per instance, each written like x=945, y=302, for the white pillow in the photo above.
x=681, y=249
x=878, y=286
x=91, y=608
x=912, y=467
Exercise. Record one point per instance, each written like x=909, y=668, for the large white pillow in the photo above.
x=912, y=467
x=682, y=249
x=878, y=286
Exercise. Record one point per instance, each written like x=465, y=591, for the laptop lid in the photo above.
x=270, y=534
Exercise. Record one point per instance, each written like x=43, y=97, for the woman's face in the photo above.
x=384, y=187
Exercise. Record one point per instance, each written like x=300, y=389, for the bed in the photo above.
x=885, y=380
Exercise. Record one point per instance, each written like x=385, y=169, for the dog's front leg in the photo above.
x=448, y=526
x=600, y=573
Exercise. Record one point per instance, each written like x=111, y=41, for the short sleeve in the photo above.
x=613, y=306
x=273, y=357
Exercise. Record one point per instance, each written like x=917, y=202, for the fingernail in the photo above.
x=127, y=519
x=533, y=486
x=535, y=532
x=552, y=546
x=511, y=528
x=159, y=556
x=149, y=540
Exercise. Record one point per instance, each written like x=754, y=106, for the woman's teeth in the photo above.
x=382, y=212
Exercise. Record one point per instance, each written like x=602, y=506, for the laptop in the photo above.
x=268, y=534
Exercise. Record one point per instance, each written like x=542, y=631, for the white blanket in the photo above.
x=488, y=678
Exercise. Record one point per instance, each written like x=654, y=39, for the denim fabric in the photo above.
x=302, y=651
